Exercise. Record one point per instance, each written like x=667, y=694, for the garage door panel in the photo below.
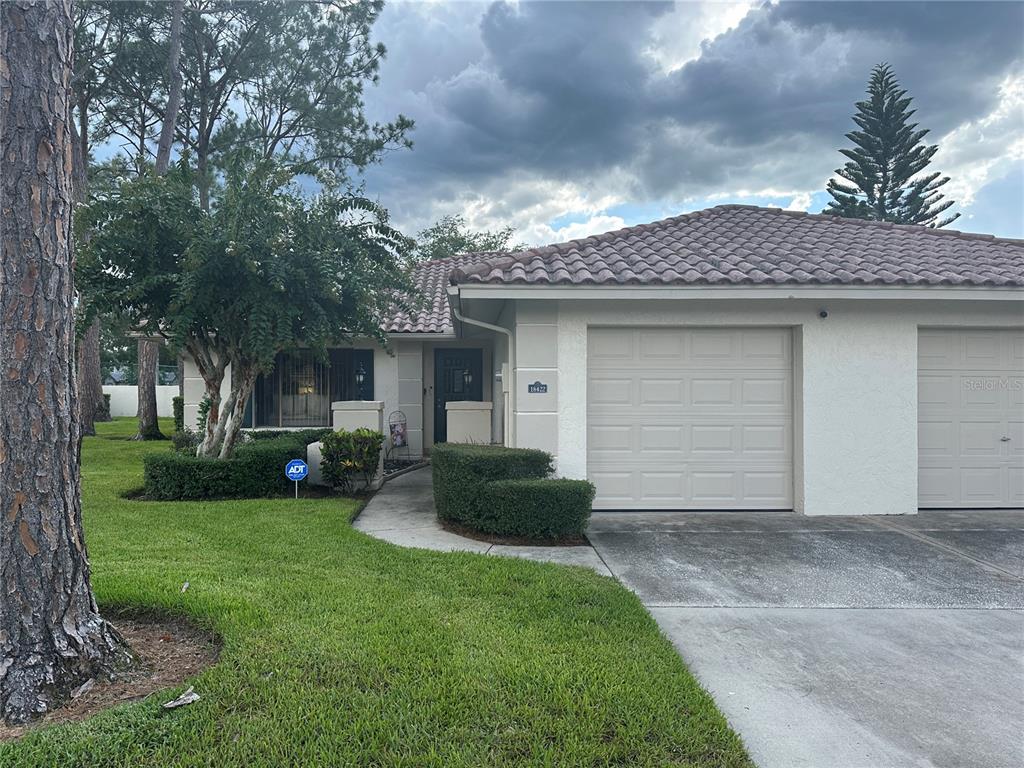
x=936, y=438
x=1015, y=484
x=662, y=439
x=970, y=425
x=767, y=439
x=980, y=438
x=713, y=439
x=660, y=391
x=708, y=416
x=771, y=392
x=936, y=389
x=981, y=485
x=661, y=486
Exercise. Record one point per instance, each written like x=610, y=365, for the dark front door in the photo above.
x=458, y=375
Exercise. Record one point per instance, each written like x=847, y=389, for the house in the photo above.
x=732, y=358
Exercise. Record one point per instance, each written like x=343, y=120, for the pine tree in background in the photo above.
x=888, y=155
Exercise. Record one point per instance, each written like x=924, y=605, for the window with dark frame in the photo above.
x=302, y=386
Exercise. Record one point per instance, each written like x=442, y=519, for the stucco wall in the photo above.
x=855, y=384
x=124, y=399
x=538, y=358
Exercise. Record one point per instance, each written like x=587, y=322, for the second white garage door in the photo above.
x=690, y=418
x=970, y=418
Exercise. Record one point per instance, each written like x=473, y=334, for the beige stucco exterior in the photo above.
x=855, y=383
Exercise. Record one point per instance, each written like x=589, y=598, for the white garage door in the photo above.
x=970, y=422
x=690, y=418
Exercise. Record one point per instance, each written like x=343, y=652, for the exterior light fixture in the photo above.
x=467, y=377
x=360, y=378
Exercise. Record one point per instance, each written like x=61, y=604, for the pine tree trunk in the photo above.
x=52, y=637
x=91, y=403
x=163, y=152
x=149, y=358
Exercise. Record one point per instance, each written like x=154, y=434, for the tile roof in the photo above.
x=747, y=245
x=433, y=315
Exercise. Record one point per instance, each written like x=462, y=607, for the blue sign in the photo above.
x=296, y=470
x=537, y=388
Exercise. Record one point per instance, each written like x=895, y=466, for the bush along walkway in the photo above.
x=403, y=513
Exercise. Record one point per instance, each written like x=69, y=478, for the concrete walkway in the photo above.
x=402, y=512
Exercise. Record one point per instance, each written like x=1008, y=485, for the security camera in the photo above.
x=822, y=313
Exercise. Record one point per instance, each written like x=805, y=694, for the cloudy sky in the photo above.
x=565, y=119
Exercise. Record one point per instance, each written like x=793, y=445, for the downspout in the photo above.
x=456, y=311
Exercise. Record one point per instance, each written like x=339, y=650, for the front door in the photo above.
x=458, y=375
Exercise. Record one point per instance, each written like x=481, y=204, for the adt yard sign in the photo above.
x=296, y=470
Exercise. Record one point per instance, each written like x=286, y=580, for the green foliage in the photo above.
x=538, y=509
x=883, y=166
x=350, y=456
x=451, y=236
x=202, y=412
x=303, y=436
x=256, y=470
x=461, y=475
x=178, y=403
x=267, y=270
x=185, y=441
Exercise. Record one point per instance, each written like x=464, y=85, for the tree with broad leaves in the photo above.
x=880, y=180
x=52, y=637
x=450, y=236
x=265, y=270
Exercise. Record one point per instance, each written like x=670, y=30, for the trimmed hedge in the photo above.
x=256, y=470
x=178, y=403
x=304, y=436
x=459, y=472
x=539, y=509
x=507, y=492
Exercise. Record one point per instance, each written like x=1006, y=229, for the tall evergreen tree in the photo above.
x=882, y=168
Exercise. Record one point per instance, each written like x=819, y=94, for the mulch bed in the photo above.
x=515, y=541
x=171, y=651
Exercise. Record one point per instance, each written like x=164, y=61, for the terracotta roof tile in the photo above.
x=747, y=245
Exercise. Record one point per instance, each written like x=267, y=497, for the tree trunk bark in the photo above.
x=243, y=379
x=91, y=404
x=163, y=151
x=149, y=359
x=52, y=637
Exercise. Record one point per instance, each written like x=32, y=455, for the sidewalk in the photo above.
x=402, y=512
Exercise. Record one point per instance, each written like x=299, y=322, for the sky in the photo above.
x=568, y=119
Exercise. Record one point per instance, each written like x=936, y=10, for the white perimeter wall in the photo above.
x=124, y=399
x=855, y=384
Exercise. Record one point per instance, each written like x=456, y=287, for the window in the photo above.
x=300, y=389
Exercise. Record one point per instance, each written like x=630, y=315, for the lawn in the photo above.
x=343, y=650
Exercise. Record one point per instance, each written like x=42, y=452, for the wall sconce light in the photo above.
x=467, y=377
x=360, y=378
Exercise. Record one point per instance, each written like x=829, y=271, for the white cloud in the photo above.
x=981, y=151
x=677, y=37
x=542, y=233
x=800, y=202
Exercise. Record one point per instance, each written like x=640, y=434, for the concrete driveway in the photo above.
x=842, y=642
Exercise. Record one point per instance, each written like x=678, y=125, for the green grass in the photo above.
x=343, y=650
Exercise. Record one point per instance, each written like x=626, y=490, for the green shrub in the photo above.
x=256, y=470
x=186, y=441
x=460, y=472
x=539, y=509
x=304, y=436
x=179, y=413
x=350, y=456
x=201, y=413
